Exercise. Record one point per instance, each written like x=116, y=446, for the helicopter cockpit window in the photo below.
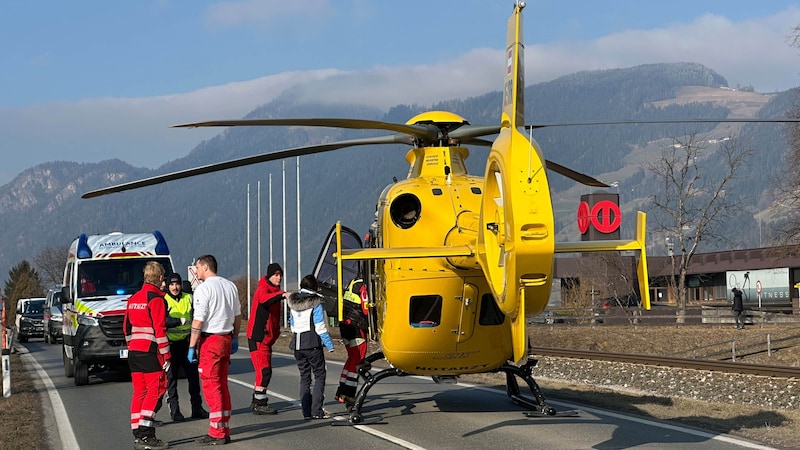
x=425, y=311
x=405, y=210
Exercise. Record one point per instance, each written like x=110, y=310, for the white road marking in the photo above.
x=68, y=441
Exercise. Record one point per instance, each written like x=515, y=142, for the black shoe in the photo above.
x=158, y=423
x=149, y=443
x=208, y=440
x=178, y=417
x=325, y=415
x=199, y=413
x=260, y=410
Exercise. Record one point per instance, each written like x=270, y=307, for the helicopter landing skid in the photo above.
x=364, y=369
x=361, y=421
x=570, y=413
x=538, y=405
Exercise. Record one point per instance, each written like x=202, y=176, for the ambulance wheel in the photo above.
x=81, y=372
x=69, y=368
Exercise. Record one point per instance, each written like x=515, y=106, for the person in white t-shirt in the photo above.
x=214, y=337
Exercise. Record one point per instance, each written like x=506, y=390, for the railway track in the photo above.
x=681, y=363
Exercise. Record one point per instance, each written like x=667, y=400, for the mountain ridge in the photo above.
x=41, y=206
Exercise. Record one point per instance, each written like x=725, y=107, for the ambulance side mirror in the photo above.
x=66, y=295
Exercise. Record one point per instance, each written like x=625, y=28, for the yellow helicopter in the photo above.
x=454, y=262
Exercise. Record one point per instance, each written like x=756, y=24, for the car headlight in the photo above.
x=87, y=320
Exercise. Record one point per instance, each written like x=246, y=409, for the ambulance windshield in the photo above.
x=103, y=278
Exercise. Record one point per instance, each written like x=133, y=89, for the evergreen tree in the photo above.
x=23, y=282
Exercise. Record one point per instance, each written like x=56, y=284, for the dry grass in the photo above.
x=21, y=415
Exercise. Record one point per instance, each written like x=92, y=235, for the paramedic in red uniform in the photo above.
x=148, y=355
x=263, y=329
x=214, y=337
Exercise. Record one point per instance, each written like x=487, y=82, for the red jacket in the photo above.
x=145, y=324
x=264, y=323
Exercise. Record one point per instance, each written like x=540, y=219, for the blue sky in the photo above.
x=93, y=80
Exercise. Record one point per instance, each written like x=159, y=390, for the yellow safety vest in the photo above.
x=180, y=309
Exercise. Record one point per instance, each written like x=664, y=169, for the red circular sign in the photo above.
x=584, y=217
x=606, y=216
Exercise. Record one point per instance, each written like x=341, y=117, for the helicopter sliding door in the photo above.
x=325, y=267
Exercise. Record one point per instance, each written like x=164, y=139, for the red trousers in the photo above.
x=262, y=364
x=215, y=355
x=148, y=387
x=356, y=351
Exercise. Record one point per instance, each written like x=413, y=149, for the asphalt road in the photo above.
x=416, y=413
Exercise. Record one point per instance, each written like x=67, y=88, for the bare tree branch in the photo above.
x=693, y=200
x=50, y=262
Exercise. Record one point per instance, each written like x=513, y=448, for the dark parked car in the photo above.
x=30, y=318
x=52, y=316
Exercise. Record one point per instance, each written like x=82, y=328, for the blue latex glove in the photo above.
x=192, y=356
x=234, y=346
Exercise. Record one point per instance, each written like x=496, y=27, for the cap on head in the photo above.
x=274, y=268
x=174, y=278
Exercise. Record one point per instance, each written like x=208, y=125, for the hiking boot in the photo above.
x=208, y=440
x=199, y=413
x=261, y=410
x=149, y=443
x=178, y=417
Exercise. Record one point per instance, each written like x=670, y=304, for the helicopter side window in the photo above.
x=425, y=311
x=490, y=313
x=405, y=210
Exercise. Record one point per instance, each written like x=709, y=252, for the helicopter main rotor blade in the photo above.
x=465, y=132
x=216, y=167
x=420, y=131
x=577, y=176
x=664, y=121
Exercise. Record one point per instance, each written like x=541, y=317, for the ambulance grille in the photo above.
x=112, y=326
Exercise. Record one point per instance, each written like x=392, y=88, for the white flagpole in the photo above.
x=248, y=251
x=299, y=276
x=259, y=228
x=285, y=308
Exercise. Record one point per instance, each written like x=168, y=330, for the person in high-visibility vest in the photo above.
x=179, y=324
x=354, y=330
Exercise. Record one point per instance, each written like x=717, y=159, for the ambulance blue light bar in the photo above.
x=161, y=243
x=83, y=247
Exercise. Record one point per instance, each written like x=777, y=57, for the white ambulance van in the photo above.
x=101, y=273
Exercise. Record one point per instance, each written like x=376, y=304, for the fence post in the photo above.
x=733, y=351
x=6, y=358
x=769, y=345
